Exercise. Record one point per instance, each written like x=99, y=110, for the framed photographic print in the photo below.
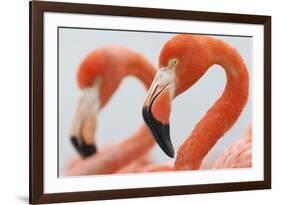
x=138, y=102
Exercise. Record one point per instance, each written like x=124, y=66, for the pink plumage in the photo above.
x=237, y=155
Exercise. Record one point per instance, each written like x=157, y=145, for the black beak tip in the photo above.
x=168, y=148
x=85, y=150
x=160, y=131
x=170, y=152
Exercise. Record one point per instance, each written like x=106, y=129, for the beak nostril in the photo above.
x=85, y=150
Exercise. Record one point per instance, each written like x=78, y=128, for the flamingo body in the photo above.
x=237, y=155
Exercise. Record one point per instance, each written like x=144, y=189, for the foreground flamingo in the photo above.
x=183, y=61
x=99, y=75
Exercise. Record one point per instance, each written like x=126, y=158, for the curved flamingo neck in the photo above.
x=223, y=114
x=140, y=68
x=121, y=62
x=136, y=65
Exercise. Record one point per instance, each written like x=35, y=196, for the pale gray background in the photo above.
x=114, y=124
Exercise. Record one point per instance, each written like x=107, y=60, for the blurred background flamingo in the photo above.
x=99, y=75
x=183, y=61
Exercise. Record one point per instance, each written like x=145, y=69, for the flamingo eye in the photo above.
x=173, y=62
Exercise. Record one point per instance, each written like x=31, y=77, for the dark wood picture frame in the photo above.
x=36, y=105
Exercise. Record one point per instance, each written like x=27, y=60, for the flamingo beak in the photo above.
x=84, y=122
x=157, y=108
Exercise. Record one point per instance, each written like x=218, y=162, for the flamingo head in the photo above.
x=97, y=78
x=182, y=62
